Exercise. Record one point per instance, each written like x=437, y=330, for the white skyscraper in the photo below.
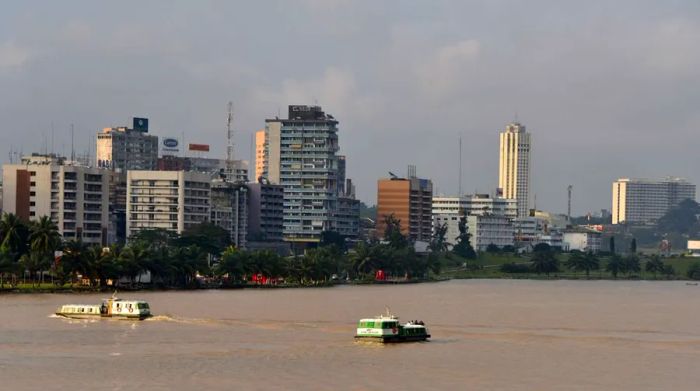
x=514, y=166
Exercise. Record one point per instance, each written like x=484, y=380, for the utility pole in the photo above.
x=460, y=167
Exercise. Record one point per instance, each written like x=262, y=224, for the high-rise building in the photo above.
x=259, y=154
x=514, y=166
x=75, y=197
x=643, y=201
x=410, y=201
x=170, y=200
x=229, y=210
x=265, y=212
x=301, y=155
x=124, y=149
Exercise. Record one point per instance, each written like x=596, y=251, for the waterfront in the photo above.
x=487, y=334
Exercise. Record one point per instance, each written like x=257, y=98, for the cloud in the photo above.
x=673, y=47
x=13, y=56
x=448, y=69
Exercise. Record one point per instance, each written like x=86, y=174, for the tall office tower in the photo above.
x=514, y=166
x=123, y=149
x=410, y=201
x=170, y=200
x=259, y=154
x=643, y=201
x=301, y=155
x=229, y=210
x=75, y=197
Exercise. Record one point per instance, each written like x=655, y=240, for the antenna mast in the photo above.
x=460, y=167
x=229, y=147
x=568, y=209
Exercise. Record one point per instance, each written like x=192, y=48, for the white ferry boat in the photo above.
x=110, y=308
x=386, y=328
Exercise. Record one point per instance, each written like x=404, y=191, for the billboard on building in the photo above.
x=199, y=147
x=141, y=124
x=169, y=146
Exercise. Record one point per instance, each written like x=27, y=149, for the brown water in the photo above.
x=487, y=335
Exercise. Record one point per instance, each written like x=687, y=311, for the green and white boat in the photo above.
x=386, y=328
x=110, y=308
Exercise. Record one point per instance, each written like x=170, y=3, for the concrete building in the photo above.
x=214, y=167
x=447, y=210
x=301, y=155
x=490, y=229
x=643, y=201
x=259, y=154
x=75, y=197
x=582, y=239
x=514, y=166
x=124, y=149
x=170, y=200
x=410, y=201
x=229, y=210
x=265, y=212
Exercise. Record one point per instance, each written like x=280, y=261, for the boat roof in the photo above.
x=380, y=319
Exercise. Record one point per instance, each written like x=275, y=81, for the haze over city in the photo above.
x=607, y=89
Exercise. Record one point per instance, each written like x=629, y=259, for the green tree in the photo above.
x=235, y=263
x=694, y=271
x=207, y=236
x=545, y=262
x=392, y=232
x=44, y=240
x=73, y=261
x=631, y=265
x=438, y=242
x=14, y=235
x=463, y=248
x=612, y=245
x=615, y=265
x=579, y=262
x=633, y=246
x=654, y=265
x=133, y=261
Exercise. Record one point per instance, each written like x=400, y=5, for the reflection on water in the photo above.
x=504, y=335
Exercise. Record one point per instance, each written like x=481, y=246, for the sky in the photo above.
x=607, y=89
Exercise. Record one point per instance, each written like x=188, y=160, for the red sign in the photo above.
x=199, y=147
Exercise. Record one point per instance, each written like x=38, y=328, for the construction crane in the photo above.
x=229, y=148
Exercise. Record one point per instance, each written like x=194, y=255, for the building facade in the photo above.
x=265, y=212
x=643, y=201
x=170, y=200
x=488, y=230
x=448, y=210
x=229, y=210
x=75, y=197
x=259, y=154
x=125, y=149
x=582, y=239
x=301, y=155
x=514, y=166
x=410, y=201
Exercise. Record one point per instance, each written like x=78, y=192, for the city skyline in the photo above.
x=422, y=75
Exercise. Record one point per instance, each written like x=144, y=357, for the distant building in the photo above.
x=514, y=166
x=582, y=239
x=643, y=201
x=124, y=149
x=170, y=200
x=490, y=229
x=259, y=154
x=75, y=197
x=410, y=201
x=448, y=210
x=229, y=210
x=214, y=167
x=266, y=212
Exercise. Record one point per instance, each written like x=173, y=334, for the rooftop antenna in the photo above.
x=229, y=147
x=72, y=146
x=411, y=171
x=52, y=130
x=568, y=209
x=460, y=167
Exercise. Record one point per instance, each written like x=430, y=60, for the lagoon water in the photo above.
x=487, y=335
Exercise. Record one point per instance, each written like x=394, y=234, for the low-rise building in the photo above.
x=448, y=210
x=490, y=229
x=582, y=239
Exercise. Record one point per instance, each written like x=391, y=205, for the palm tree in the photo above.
x=545, y=262
x=132, y=260
x=73, y=261
x=44, y=239
x=439, y=242
x=575, y=262
x=580, y=262
x=615, y=265
x=361, y=259
x=13, y=234
x=654, y=265
x=632, y=265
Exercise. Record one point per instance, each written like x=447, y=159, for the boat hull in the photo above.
x=393, y=338
x=88, y=316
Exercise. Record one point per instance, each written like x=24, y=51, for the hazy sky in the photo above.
x=607, y=88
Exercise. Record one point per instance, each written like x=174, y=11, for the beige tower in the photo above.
x=259, y=154
x=514, y=166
